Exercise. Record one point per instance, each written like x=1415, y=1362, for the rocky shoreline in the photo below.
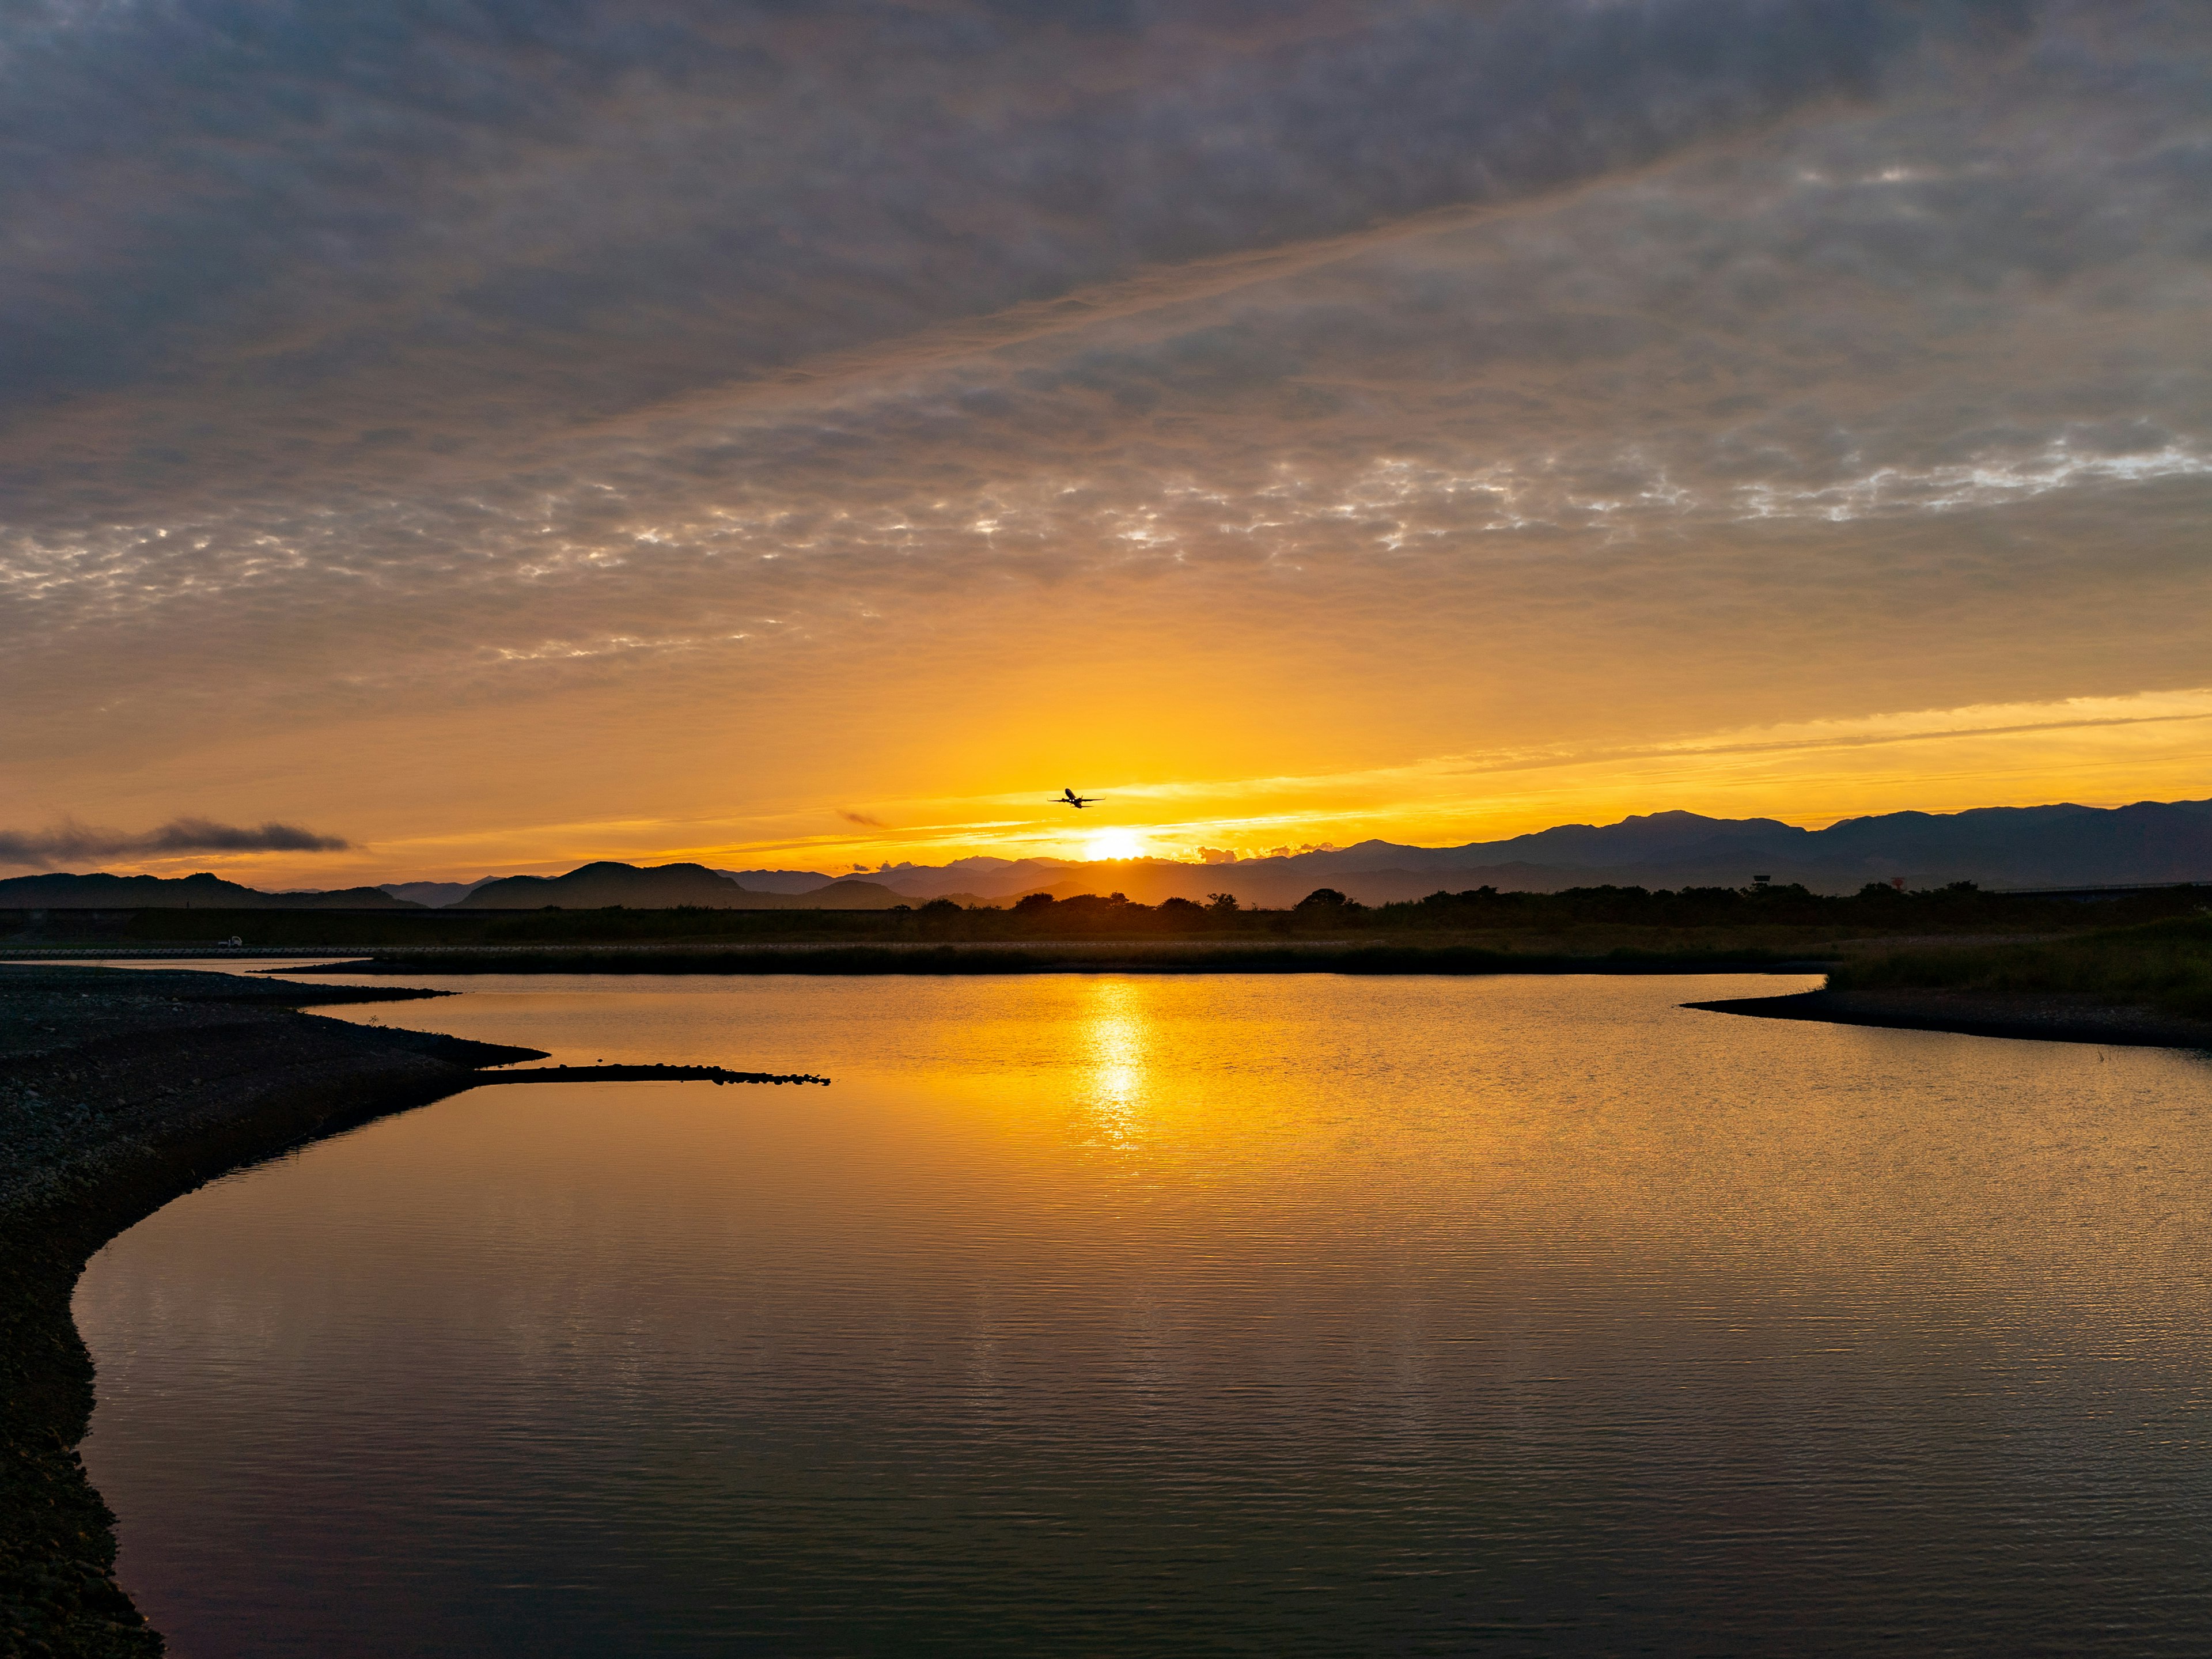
x=120, y=1090
x=2048, y=1016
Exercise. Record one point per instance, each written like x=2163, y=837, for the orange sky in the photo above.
x=2094, y=751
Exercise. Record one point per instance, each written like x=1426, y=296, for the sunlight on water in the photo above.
x=1115, y=1033
x=1194, y=1314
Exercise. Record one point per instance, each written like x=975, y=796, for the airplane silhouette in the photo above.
x=1069, y=798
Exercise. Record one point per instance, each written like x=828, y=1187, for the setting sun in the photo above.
x=1114, y=844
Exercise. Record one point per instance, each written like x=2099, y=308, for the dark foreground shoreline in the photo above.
x=2046, y=1016
x=119, y=1091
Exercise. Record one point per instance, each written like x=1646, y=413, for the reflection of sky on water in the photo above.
x=1182, y=1316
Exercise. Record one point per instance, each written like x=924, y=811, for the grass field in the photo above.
x=2166, y=965
x=1584, y=923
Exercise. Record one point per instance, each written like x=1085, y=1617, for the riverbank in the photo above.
x=2048, y=1016
x=119, y=1091
x=2148, y=985
x=2166, y=966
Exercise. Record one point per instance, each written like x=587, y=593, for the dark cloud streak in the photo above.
x=70, y=840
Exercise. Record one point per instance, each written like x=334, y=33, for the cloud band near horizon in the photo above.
x=70, y=840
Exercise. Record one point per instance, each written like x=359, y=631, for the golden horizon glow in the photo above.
x=2093, y=752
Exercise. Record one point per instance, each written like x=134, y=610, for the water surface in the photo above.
x=1212, y=1315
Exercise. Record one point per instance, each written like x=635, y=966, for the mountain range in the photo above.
x=663, y=887
x=2061, y=846
x=2058, y=846
x=202, y=891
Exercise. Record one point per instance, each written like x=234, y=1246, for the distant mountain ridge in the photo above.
x=1999, y=846
x=2056, y=846
x=100, y=892
x=778, y=881
x=435, y=894
x=665, y=887
x=2053, y=846
x=2060, y=846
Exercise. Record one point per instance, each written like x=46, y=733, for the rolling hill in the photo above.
x=2056, y=846
x=203, y=891
x=665, y=887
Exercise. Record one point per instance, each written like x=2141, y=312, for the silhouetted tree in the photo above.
x=1091, y=905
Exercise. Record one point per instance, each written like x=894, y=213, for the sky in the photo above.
x=439, y=439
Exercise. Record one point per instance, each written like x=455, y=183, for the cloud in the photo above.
x=862, y=819
x=70, y=840
x=299, y=240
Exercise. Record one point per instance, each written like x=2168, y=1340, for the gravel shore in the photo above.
x=120, y=1090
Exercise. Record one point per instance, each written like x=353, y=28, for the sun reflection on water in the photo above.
x=1117, y=1038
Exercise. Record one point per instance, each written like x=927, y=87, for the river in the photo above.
x=1186, y=1315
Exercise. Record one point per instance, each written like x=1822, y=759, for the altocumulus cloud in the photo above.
x=70, y=840
x=548, y=340
x=301, y=251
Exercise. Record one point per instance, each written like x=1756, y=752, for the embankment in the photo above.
x=2148, y=985
x=2048, y=1016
